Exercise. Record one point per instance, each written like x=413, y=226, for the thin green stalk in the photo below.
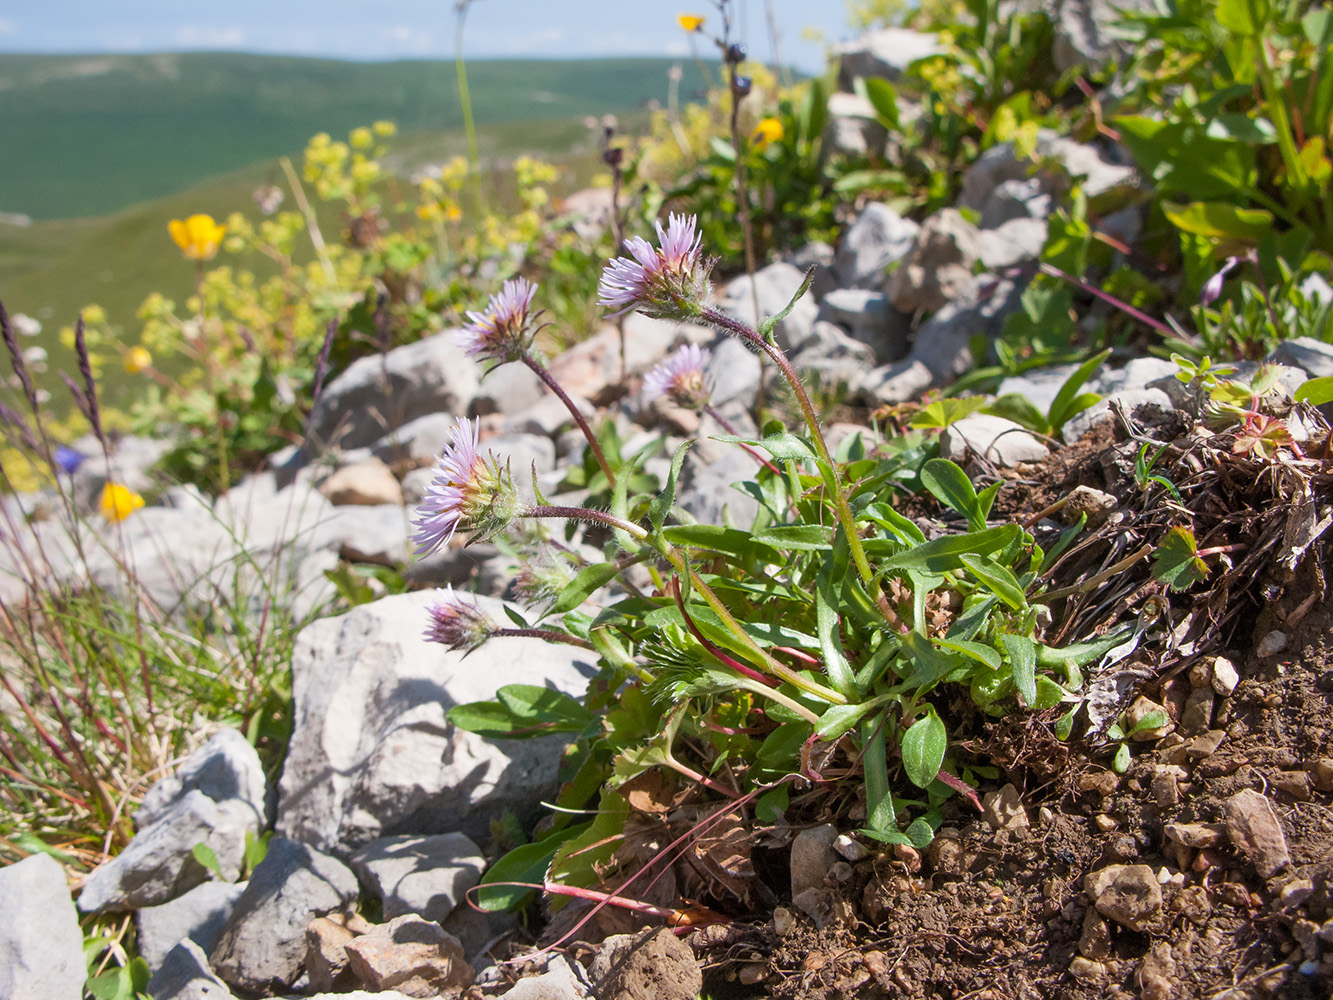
x=465, y=100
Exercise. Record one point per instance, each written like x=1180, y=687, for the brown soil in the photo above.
x=1003, y=913
x=999, y=914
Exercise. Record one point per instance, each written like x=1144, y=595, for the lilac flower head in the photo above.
x=468, y=492
x=458, y=623
x=681, y=379
x=669, y=281
x=1212, y=288
x=504, y=331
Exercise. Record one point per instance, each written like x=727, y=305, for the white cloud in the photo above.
x=209, y=36
x=8, y=27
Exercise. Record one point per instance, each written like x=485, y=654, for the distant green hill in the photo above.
x=90, y=135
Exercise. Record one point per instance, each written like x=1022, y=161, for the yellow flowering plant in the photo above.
x=118, y=502
x=199, y=236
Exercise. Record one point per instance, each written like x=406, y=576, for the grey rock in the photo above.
x=1079, y=424
x=1000, y=164
x=774, y=286
x=811, y=857
x=417, y=442
x=549, y=416
x=895, y=383
x=734, y=372
x=871, y=320
x=185, y=975
x=454, y=565
x=1311, y=356
x=1014, y=242
x=1256, y=832
x=558, y=982
x=706, y=491
x=367, y=483
x=416, y=484
x=995, y=439
x=820, y=257
x=1138, y=373
x=877, y=238
x=1085, y=32
x=1315, y=287
x=831, y=357
x=378, y=534
x=591, y=368
x=409, y=952
x=372, y=753
x=1127, y=894
x=1039, y=386
x=262, y=945
x=380, y=393
x=938, y=268
x=158, y=864
x=226, y=767
x=886, y=53
x=427, y=876
x=507, y=389
x=197, y=916
x=41, y=946
x=1016, y=199
x=521, y=452
x=853, y=128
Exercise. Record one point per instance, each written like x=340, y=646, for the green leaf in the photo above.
x=1049, y=694
x=999, y=578
x=838, y=720
x=1062, y=406
x=830, y=641
x=785, y=447
x=534, y=702
x=1023, y=659
x=770, y=807
x=920, y=833
x=664, y=501
x=206, y=857
x=526, y=863
x=586, y=582
x=882, y=97
x=732, y=541
x=1219, y=221
x=923, y=749
x=1243, y=17
x=976, y=650
x=123, y=983
x=1242, y=128
x=766, y=327
x=808, y=537
x=1120, y=762
x=1316, y=391
x=950, y=485
x=1021, y=410
x=941, y=555
x=522, y=711
x=1176, y=560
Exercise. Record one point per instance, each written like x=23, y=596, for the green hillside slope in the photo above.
x=89, y=135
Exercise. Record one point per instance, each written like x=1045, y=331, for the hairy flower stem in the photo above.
x=554, y=386
x=549, y=635
x=722, y=321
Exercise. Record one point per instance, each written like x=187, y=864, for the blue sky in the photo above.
x=367, y=29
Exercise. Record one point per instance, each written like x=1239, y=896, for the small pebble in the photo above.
x=783, y=921
x=1106, y=823
x=1225, y=677
x=1271, y=644
x=852, y=850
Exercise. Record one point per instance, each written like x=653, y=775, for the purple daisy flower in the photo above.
x=467, y=492
x=681, y=378
x=670, y=281
x=503, y=331
x=457, y=623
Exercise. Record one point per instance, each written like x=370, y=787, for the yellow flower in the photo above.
x=198, y=236
x=767, y=131
x=137, y=360
x=119, y=501
x=690, y=22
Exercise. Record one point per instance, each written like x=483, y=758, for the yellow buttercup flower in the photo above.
x=137, y=360
x=767, y=131
x=119, y=501
x=198, y=236
x=690, y=22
